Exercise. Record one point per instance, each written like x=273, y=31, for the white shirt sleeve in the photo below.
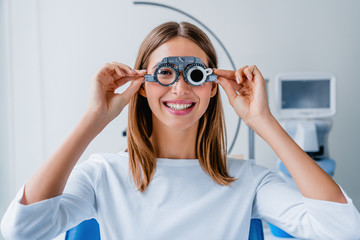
x=278, y=203
x=49, y=218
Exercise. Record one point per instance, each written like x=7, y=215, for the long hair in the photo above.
x=210, y=146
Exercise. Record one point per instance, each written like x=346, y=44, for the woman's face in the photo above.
x=181, y=105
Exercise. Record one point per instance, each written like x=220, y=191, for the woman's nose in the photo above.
x=181, y=87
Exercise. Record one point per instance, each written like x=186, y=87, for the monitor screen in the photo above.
x=301, y=94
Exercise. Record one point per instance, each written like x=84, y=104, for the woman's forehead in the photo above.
x=179, y=46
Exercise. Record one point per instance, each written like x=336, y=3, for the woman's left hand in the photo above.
x=246, y=90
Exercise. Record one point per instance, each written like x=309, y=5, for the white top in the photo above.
x=181, y=202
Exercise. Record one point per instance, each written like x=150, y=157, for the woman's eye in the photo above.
x=164, y=72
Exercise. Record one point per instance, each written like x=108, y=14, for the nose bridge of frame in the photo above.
x=180, y=84
x=180, y=66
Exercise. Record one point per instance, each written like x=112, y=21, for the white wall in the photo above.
x=51, y=49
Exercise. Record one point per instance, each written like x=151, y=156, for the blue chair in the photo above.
x=89, y=230
x=86, y=230
x=256, y=230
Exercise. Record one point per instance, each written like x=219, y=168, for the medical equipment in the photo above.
x=305, y=103
x=305, y=95
x=194, y=70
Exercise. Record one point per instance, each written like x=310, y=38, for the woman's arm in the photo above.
x=312, y=181
x=104, y=105
x=246, y=90
x=49, y=181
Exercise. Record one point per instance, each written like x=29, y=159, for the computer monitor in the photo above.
x=305, y=95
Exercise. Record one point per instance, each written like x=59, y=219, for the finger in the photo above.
x=235, y=85
x=124, y=80
x=128, y=70
x=141, y=72
x=107, y=68
x=133, y=88
x=252, y=71
x=229, y=74
x=249, y=72
x=120, y=82
x=240, y=75
x=119, y=72
x=229, y=89
x=255, y=75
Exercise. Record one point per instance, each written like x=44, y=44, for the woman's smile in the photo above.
x=179, y=107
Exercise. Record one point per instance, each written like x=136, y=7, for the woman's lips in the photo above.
x=179, y=107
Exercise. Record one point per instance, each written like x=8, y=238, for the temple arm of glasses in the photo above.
x=212, y=78
x=149, y=78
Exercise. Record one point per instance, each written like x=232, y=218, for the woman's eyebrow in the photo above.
x=155, y=66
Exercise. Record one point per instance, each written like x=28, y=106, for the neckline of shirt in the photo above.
x=169, y=161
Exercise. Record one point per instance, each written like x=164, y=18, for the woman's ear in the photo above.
x=142, y=90
x=213, y=89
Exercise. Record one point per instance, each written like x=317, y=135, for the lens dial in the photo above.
x=166, y=74
x=195, y=74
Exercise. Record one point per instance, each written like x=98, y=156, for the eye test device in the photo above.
x=305, y=104
x=305, y=95
x=194, y=70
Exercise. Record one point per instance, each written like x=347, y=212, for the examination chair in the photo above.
x=89, y=230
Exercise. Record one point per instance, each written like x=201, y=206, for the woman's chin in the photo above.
x=179, y=126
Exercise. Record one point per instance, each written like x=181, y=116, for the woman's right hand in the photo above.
x=104, y=106
x=104, y=102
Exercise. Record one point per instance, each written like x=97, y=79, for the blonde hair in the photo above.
x=210, y=147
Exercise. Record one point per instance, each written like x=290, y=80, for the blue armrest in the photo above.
x=256, y=230
x=87, y=230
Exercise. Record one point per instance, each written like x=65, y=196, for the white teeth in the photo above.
x=176, y=106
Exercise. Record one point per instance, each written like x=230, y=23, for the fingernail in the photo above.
x=143, y=70
x=237, y=79
x=249, y=77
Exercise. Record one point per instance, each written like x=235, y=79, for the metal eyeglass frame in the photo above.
x=186, y=65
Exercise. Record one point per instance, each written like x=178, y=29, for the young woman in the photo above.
x=174, y=181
